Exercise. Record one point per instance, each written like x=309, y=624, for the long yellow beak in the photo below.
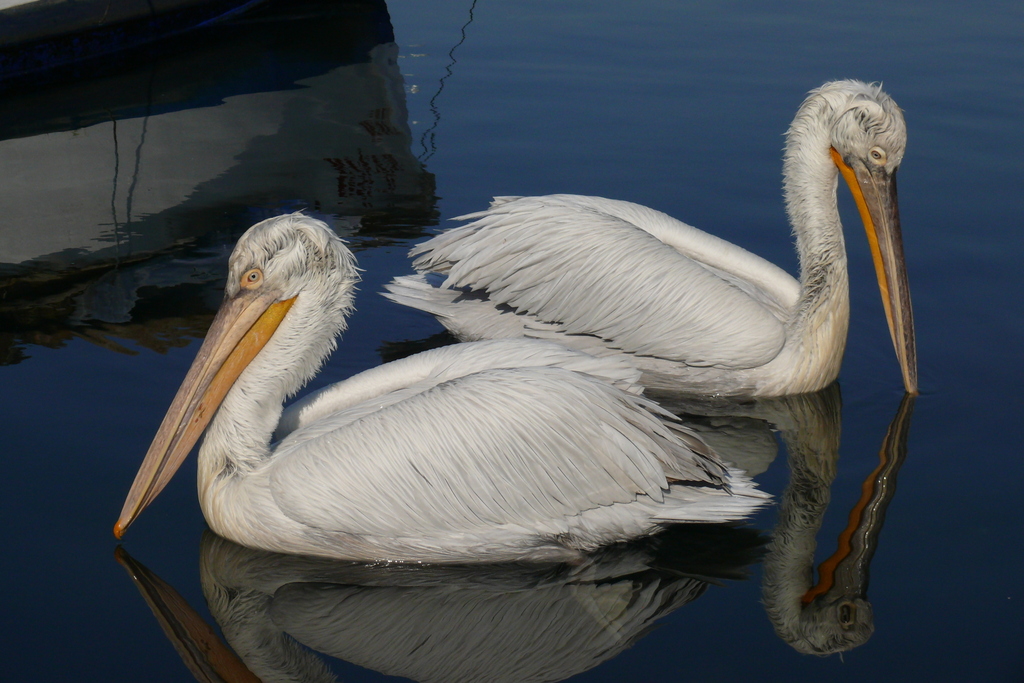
x=874, y=190
x=242, y=326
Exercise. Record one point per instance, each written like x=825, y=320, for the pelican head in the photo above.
x=867, y=137
x=281, y=263
x=868, y=125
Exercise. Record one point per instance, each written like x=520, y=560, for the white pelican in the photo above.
x=691, y=310
x=503, y=450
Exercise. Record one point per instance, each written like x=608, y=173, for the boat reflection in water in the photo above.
x=134, y=177
x=833, y=614
x=513, y=622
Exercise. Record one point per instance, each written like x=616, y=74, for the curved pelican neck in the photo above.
x=239, y=436
x=810, y=182
x=821, y=317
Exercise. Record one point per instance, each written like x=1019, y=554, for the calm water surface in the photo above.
x=128, y=184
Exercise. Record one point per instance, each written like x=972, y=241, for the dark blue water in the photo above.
x=127, y=186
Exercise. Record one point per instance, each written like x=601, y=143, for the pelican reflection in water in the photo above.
x=450, y=623
x=831, y=614
x=494, y=451
x=691, y=310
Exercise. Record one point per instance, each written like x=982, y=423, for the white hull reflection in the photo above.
x=336, y=143
x=136, y=180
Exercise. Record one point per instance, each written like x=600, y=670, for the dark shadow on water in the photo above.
x=397, y=350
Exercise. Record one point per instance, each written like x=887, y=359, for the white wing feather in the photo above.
x=421, y=371
x=501, y=447
x=647, y=283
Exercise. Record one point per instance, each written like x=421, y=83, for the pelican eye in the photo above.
x=847, y=614
x=252, y=278
x=877, y=155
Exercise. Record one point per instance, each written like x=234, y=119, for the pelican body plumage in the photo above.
x=693, y=311
x=500, y=450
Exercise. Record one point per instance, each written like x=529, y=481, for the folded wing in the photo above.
x=527, y=447
x=644, y=282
